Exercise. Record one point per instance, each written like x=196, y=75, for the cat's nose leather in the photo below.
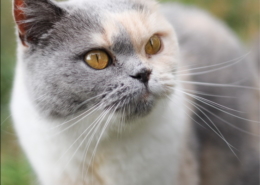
x=143, y=75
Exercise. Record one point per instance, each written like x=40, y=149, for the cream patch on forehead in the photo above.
x=136, y=25
x=140, y=26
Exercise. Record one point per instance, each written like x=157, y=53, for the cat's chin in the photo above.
x=139, y=108
x=140, y=105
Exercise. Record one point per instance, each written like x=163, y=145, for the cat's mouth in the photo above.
x=133, y=105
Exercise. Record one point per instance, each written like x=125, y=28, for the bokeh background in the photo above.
x=243, y=16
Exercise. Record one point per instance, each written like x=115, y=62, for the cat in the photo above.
x=125, y=92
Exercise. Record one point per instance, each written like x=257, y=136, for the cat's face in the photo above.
x=56, y=45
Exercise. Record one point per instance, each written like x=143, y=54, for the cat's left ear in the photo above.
x=35, y=18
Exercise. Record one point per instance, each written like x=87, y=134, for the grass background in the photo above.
x=242, y=16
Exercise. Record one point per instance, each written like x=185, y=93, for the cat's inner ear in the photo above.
x=35, y=18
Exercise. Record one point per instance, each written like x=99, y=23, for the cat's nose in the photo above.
x=143, y=75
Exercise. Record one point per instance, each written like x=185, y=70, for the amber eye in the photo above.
x=153, y=46
x=97, y=59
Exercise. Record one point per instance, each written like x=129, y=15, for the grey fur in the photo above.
x=122, y=43
x=56, y=68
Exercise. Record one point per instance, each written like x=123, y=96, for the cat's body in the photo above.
x=205, y=41
x=156, y=142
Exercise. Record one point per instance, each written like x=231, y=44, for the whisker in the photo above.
x=102, y=115
x=102, y=132
x=88, y=101
x=217, y=131
x=219, y=108
x=228, y=144
x=188, y=114
x=213, y=65
x=91, y=125
x=210, y=103
x=235, y=61
x=90, y=140
x=206, y=94
x=228, y=123
x=121, y=120
x=218, y=85
x=59, y=125
x=96, y=108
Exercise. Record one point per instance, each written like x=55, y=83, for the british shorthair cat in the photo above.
x=127, y=92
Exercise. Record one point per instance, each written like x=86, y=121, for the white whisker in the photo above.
x=199, y=99
x=93, y=110
x=233, y=62
x=83, y=140
x=217, y=85
x=228, y=123
x=102, y=132
x=206, y=94
x=90, y=140
x=217, y=131
x=85, y=112
x=91, y=125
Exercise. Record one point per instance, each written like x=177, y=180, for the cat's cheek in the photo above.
x=162, y=85
x=154, y=87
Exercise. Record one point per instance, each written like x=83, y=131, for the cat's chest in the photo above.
x=153, y=172
x=136, y=162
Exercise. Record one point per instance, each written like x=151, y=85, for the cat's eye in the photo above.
x=153, y=46
x=97, y=59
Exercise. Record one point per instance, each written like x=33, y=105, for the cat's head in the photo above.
x=116, y=54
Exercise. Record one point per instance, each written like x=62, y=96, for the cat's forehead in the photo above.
x=122, y=28
x=124, y=23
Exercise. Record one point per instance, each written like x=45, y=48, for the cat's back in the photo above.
x=226, y=99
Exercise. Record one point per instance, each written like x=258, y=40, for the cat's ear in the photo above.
x=35, y=18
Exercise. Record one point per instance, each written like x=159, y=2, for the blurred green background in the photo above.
x=241, y=15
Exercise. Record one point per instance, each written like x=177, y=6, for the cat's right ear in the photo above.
x=35, y=18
